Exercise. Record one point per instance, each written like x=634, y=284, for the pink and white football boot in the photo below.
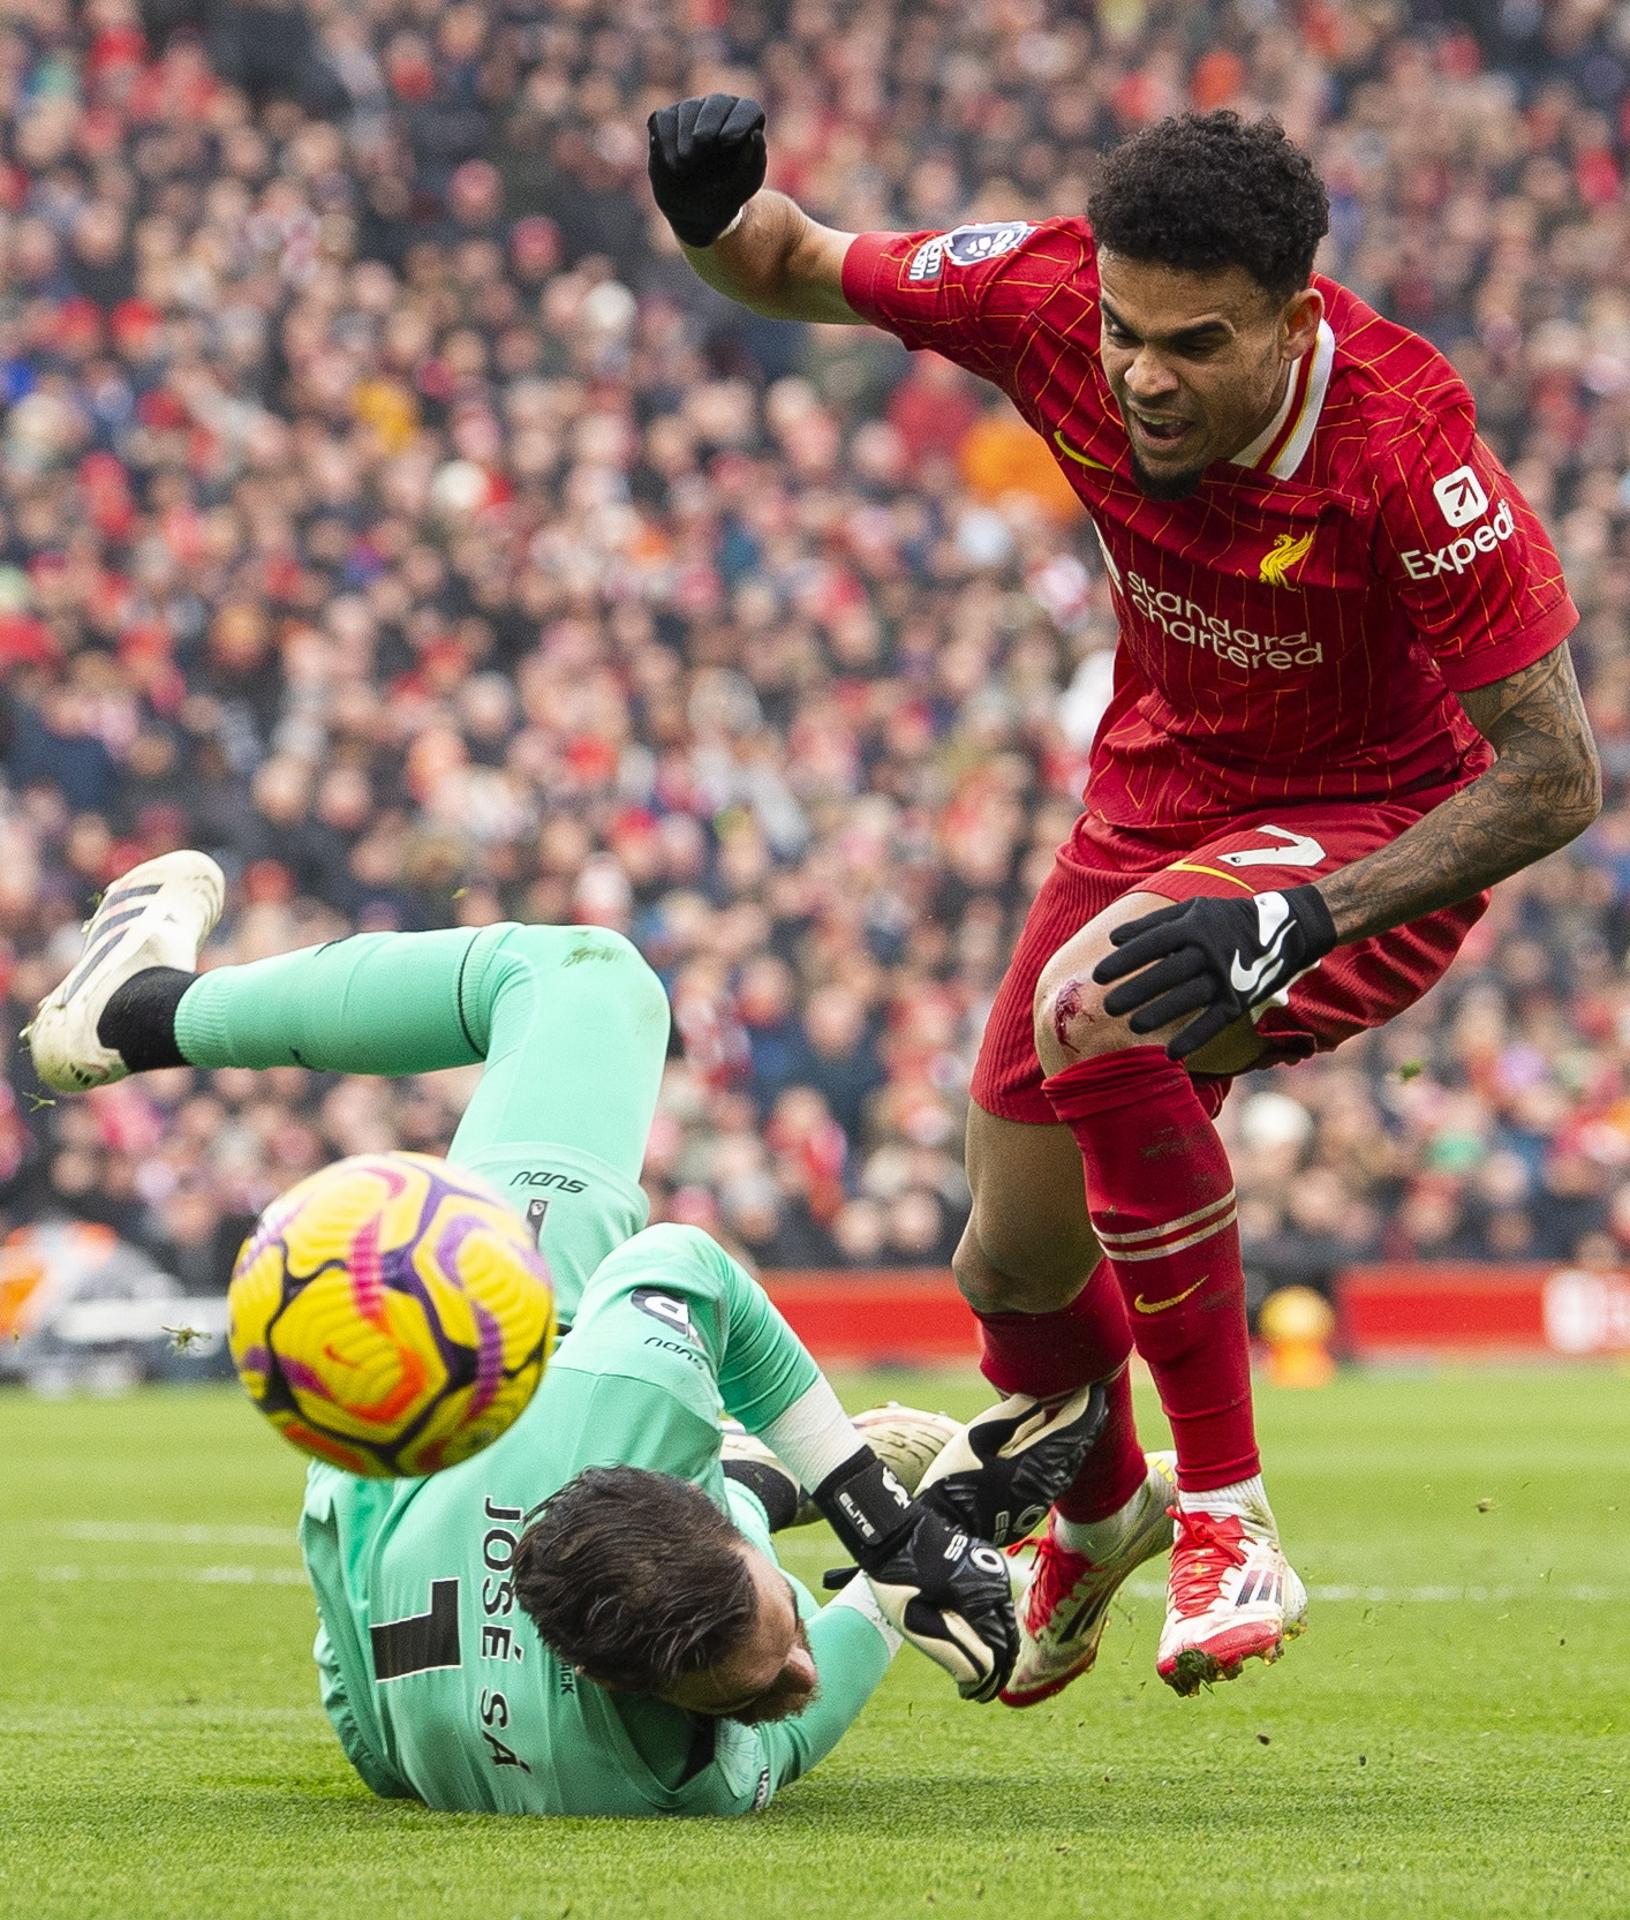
x=1065, y=1608
x=1232, y=1597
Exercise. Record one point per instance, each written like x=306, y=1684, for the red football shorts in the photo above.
x=1357, y=986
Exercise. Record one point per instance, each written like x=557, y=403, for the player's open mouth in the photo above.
x=1158, y=432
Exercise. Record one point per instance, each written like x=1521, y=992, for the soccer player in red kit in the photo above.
x=1343, y=708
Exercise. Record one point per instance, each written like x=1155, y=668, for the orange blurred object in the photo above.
x=1296, y=1324
x=1000, y=455
x=390, y=409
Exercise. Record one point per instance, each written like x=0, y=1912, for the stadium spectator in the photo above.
x=385, y=507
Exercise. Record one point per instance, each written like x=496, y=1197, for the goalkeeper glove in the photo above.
x=1220, y=960
x=948, y=1593
x=998, y=1476
x=706, y=160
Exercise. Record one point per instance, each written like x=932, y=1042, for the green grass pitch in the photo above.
x=1450, y=1738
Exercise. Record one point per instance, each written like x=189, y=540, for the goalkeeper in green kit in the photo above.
x=588, y=1616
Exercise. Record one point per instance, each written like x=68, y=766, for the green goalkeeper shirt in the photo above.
x=438, y=1684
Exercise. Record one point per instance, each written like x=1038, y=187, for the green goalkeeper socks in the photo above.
x=570, y=1021
x=382, y=1003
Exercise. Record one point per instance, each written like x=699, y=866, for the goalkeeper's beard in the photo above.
x=785, y=1698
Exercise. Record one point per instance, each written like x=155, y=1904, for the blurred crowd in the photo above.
x=385, y=507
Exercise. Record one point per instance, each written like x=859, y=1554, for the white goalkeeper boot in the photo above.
x=157, y=915
x=1066, y=1605
x=906, y=1439
x=1233, y=1597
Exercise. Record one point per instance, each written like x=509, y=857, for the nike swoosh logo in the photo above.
x=1248, y=979
x=1160, y=1306
x=1080, y=459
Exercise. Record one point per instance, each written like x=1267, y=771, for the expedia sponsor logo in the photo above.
x=1188, y=623
x=964, y=247
x=1459, y=554
x=1460, y=497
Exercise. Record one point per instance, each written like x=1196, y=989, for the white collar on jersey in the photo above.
x=1280, y=448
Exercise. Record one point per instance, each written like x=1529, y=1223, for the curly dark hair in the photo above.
x=1209, y=190
x=635, y=1577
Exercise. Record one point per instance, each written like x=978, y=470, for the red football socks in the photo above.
x=1161, y=1196
x=1051, y=1353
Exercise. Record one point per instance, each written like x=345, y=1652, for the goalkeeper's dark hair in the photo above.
x=635, y=1577
x=1204, y=191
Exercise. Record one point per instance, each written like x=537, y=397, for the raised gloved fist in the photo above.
x=706, y=161
x=1220, y=960
x=1001, y=1472
x=946, y=1591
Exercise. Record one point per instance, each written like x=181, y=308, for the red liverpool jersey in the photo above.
x=1296, y=628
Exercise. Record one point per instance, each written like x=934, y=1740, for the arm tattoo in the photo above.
x=1543, y=789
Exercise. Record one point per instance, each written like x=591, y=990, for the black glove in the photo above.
x=948, y=1593
x=1008, y=1465
x=706, y=161
x=1221, y=960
